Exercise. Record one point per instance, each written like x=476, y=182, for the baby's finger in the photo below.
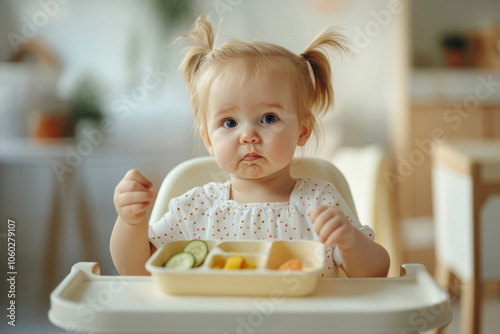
x=330, y=227
x=332, y=238
x=134, y=209
x=129, y=186
x=344, y=237
x=313, y=214
x=333, y=232
x=321, y=218
x=326, y=231
x=135, y=175
x=135, y=197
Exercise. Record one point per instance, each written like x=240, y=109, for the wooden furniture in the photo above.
x=431, y=123
x=466, y=174
x=485, y=46
x=435, y=117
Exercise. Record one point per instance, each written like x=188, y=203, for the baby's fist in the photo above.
x=332, y=227
x=133, y=196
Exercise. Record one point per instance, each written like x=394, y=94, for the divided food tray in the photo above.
x=262, y=280
x=87, y=302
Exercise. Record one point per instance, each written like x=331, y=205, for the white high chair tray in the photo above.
x=85, y=301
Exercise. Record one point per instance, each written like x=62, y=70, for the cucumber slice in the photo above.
x=199, y=249
x=181, y=261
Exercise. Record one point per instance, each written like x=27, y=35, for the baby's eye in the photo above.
x=269, y=119
x=230, y=123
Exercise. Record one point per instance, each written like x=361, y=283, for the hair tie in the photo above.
x=303, y=56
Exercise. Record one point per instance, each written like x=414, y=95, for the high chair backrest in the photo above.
x=199, y=171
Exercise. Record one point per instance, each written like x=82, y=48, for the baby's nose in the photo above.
x=249, y=135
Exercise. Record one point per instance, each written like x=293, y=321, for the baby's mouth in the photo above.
x=251, y=157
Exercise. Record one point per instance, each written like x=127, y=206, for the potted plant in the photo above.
x=455, y=49
x=85, y=105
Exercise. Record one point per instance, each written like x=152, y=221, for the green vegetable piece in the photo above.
x=199, y=249
x=181, y=261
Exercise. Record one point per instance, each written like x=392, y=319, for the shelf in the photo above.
x=454, y=85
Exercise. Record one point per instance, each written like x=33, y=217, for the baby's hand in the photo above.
x=133, y=196
x=332, y=227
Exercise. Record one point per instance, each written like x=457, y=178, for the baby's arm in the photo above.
x=361, y=257
x=129, y=244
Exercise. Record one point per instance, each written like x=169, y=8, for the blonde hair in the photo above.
x=310, y=72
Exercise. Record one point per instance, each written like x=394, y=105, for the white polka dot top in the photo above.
x=207, y=213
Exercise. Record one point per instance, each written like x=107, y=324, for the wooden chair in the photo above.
x=465, y=175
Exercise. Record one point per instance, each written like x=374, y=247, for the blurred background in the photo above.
x=91, y=89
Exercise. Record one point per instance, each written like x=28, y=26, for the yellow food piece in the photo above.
x=234, y=262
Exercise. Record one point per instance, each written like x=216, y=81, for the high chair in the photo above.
x=85, y=301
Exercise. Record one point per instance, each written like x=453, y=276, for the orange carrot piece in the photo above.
x=293, y=264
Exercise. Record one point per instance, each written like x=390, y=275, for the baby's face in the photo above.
x=252, y=129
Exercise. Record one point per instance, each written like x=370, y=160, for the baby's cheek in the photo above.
x=225, y=156
x=284, y=148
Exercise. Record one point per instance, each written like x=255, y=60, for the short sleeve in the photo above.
x=187, y=215
x=166, y=229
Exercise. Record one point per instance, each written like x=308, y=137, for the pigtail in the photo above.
x=203, y=36
x=317, y=56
